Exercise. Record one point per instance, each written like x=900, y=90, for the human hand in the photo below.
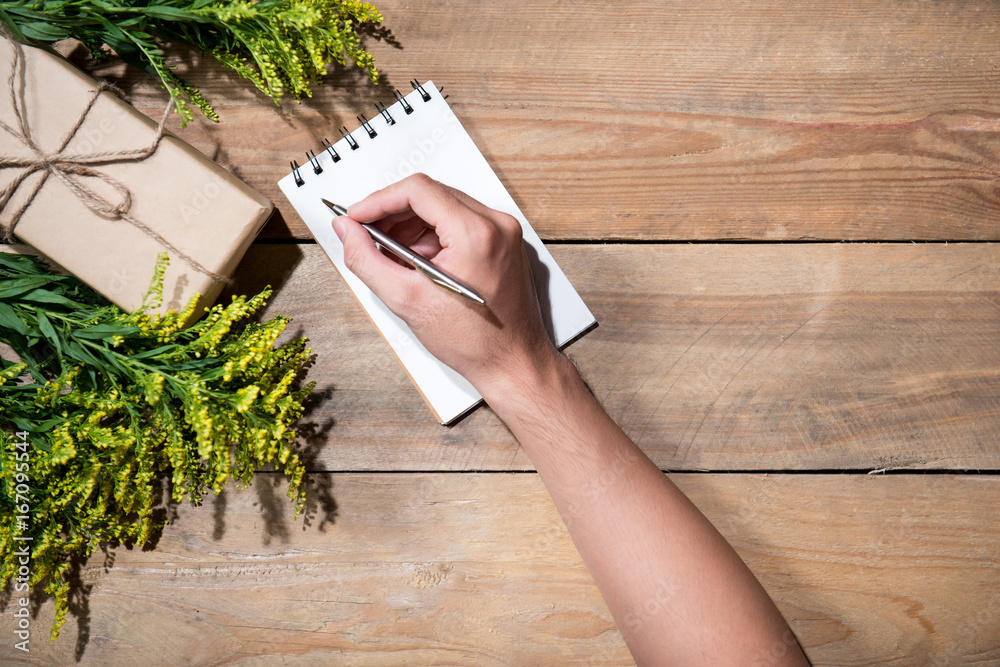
x=479, y=246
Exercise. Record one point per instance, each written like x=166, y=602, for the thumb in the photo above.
x=384, y=277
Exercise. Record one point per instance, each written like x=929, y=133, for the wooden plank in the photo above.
x=711, y=357
x=478, y=569
x=683, y=120
x=763, y=357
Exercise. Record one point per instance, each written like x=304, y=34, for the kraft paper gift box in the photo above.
x=193, y=204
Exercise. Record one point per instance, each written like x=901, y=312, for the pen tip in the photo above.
x=336, y=208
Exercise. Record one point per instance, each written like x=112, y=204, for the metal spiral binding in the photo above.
x=317, y=169
x=368, y=128
x=334, y=155
x=402, y=100
x=385, y=113
x=366, y=124
x=423, y=93
x=351, y=141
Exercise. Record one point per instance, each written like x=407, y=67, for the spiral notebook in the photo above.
x=420, y=133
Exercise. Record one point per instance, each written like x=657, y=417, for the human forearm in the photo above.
x=677, y=590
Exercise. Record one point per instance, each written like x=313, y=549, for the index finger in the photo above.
x=418, y=194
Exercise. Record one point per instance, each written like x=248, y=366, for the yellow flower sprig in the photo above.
x=116, y=402
x=281, y=46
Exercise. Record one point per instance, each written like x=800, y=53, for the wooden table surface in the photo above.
x=786, y=218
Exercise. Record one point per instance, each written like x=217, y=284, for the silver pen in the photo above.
x=416, y=260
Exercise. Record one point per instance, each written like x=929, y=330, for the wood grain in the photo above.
x=478, y=569
x=731, y=357
x=628, y=121
x=704, y=119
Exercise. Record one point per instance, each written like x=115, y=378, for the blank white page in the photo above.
x=430, y=140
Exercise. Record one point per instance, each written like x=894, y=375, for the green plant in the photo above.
x=279, y=45
x=111, y=403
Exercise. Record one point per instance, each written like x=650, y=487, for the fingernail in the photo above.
x=339, y=229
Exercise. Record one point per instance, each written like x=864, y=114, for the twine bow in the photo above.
x=72, y=169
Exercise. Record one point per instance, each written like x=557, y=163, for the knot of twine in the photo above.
x=71, y=168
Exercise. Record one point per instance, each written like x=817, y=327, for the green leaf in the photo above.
x=17, y=262
x=163, y=349
x=113, y=361
x=170, y=13
x=193, y=365
x=18, y=343
x=132, y=22
x=49, y=424
x=23, y=424
x=29, y=13
x=129, y=52
x=18, y=286
x=45, y=326
x=101, y=331
x=80, y=353
x=10, y=320
x=11, y=25
x=48, y=296
x=113, y=32
x=43, y=443
x=44, y=32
